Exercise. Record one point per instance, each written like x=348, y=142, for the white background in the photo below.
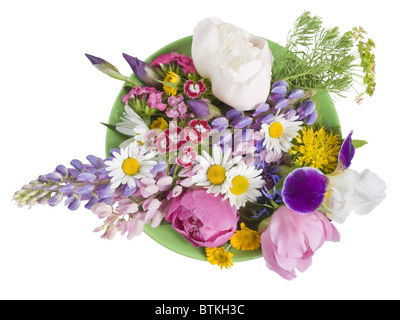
x=52, y=102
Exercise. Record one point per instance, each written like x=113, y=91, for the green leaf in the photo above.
x=113, y=128
x=358, y=143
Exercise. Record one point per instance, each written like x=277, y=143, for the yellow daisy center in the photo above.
x=216, y=174
x=275, y=130
x=246, y=239
x=130, y=166
x=173, y=78
x=239, y=185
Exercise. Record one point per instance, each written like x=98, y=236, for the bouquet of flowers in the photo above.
x=230, y=147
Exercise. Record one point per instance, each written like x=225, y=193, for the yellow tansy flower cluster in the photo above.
x=318, y=149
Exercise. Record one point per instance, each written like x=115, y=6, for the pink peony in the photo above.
x=203, y=219
x=290, y=240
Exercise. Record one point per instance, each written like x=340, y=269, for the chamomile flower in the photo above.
x=279, y=133
x=245, y=184
x=213, y=172
x=133, y=162
x=132, y=125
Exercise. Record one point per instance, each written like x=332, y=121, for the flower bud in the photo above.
x=203, y=110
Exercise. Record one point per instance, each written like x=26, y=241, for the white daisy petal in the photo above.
x=133, y=162
x=245, y=184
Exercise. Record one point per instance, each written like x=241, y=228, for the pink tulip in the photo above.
x=290, y=240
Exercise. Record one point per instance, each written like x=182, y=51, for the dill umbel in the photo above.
x=318, y=58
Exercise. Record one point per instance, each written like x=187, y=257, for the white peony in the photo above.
x=352, y=191
x=237, y=63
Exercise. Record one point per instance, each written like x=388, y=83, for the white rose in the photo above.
x=237, y=63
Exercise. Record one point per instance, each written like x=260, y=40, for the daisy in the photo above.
x=245, y=184
x=213, y=172
x=279, y=133
x=132, y=125
x=133, y=162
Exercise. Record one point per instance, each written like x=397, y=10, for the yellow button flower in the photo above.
x=245, y=239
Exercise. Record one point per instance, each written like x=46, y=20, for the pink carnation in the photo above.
x=191, y=216
x=187, y=158
x=181, y=59
x=194, y=90
x=291, y=238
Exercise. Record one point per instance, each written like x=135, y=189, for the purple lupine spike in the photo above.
x=86, y=189
x=38, y=187
x=86, y=177
x=281, y=90
x=95, y=161
x=129, y=191
x=67, y=189
x=159, y=167
x=220, y=124
x=296, y=94
x=312, y=118
x=275, y=97
x=241, y=122
x=54, y=176
x=232, y=114
x=62, y=170
x=93, y=200
x=310, y=108
x=346, y=153
x=55, y=200
x=77, y=164
x=73, y=172
x=267, y=119
x=280, y=83
x=73, y=203
x=304, y=189
x=243, y=135
x=290, y=114
x=264, y=107
x=282, y=103
x=302, y=107
x=52, y=188
x=107, y=191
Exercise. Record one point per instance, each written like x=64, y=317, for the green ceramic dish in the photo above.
x=166, y=235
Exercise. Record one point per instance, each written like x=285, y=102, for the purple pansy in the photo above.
x=304, y=189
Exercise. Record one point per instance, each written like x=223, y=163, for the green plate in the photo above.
x=166, y=235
